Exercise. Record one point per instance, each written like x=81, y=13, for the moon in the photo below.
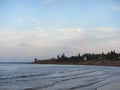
x=78, y=30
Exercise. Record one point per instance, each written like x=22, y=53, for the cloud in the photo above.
x=69, y=33
x=81, y=34
x=39, y=37
x=36, y=21
x=11, y=37
x=20, y=21
x=41, y=43
x=102, y=29
x=36, y=32
x=24, y=45
x=47, y=1
x=105, y=32
x=115, y=8
x=89, y=40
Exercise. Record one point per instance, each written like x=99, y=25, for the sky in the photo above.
x=45, y=28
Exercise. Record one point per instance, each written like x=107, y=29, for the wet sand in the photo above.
x=58, y=77
x=111, y=86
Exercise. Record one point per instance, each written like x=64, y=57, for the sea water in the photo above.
x=56, y=77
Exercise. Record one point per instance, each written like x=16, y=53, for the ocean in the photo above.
x=56, y=77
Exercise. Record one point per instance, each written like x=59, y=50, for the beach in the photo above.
x=58, y=77
x=112, y=86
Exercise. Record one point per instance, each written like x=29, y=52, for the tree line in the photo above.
x=112, y=55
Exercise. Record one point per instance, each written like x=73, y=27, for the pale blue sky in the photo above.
x=45, y=28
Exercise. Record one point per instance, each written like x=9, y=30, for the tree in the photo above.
x=35, y=60
x=58, y=57
x=79, y=55
x=63, y=55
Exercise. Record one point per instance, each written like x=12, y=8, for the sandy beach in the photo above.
x=58, y=77
x=111, y=86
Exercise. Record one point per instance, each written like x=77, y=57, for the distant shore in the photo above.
x=109, y=59
x=88, y=62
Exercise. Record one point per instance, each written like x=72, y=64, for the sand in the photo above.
x=111, y=86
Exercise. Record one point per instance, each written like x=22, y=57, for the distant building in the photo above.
x=85, y=58
x=118, y=57
x=100, y=58
x=52, y=59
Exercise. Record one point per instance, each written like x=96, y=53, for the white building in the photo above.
x=85, y=58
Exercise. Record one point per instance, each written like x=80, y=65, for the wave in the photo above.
x=52, y=75
x=24, y=76
x=85, y=84
x=59, y=75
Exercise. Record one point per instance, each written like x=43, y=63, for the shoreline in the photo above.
x=89, y=62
